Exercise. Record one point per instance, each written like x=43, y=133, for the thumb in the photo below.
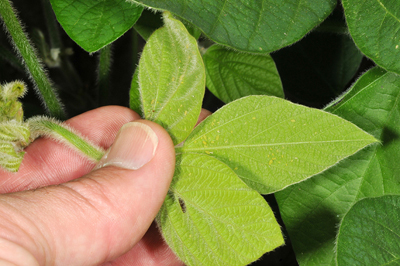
x=95, y=218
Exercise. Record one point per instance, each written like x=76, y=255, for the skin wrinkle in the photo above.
x=82, y=202
x=21, y=221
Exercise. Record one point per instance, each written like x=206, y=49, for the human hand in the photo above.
x=72, y=215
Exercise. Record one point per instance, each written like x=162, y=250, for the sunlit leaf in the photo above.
x=172, y=79
x=272, y=143
x=211, y=217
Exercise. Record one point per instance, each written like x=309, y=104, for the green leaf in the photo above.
x=172, y=79
x=13, y=131
x=94, y=24
x=10, y=159
x=370, y=233
x=232, y=75
x=254, y=26
x=272, y=143
x=315, y=207
x=375, y=27
x=210, y=217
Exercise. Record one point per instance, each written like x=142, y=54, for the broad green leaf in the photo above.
x=13, y=131
x=211, y=217
x=370, y=233
x=94, y=24
x=172, y=79
x=318, y=68
x=272, y=143
x=315, y=207
x=254, y=26
x=232, y=75
x=375, y=28
x=10, y=159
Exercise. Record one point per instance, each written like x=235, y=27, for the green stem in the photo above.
x=104, y=74
x=32, y=62
x=43, y=126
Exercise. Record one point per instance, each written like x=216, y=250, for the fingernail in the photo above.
x=133, y=147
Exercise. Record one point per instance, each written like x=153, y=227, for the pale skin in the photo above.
x=57, y=211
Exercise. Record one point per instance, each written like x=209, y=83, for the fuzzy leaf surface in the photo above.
x=272, y=143
x=211, y=217
x=13, y=131
x=172, y=79
x=315, y=207
x=375, y=28
x=10, y=159
x=232, y=75
x=93, y=24
x=254, y=26
x=370, y=233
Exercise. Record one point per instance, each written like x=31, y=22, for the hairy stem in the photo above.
x=31, y=60
x=43, y=126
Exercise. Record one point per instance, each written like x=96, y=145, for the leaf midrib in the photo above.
x=269, y=145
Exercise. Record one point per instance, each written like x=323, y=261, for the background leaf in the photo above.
x=210, y=217
x=370, y=233
x=254, y=26
x=232, y=75
x=272, y=143
x=312, y=209
x=172, y=79
x=375, y=28
x=94, y=24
